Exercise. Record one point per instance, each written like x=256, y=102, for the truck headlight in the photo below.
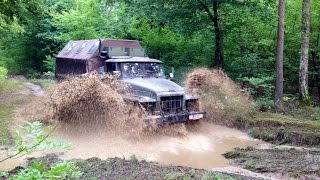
x=192, y=105
x=149, y=107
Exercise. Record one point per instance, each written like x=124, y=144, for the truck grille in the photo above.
x=171, y=104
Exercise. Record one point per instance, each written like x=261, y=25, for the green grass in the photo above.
x=10, y=85
x=13, y=94
x=44, y=83
x=298, y=120
x=10, y=99
x=207, y=175
x=310, y=113
x=5, y=136
x=285, y=129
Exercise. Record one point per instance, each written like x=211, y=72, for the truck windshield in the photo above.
x=136, y=69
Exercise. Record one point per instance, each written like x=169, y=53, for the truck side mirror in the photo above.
x=171, y=75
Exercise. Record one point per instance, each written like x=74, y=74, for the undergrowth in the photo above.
x=38, y=170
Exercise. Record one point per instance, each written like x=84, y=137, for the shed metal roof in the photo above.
x=133, y=59
x=87, y=49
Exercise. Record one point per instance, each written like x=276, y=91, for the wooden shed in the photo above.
x=82, y=56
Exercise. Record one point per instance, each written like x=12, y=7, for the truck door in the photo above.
x=110, y=67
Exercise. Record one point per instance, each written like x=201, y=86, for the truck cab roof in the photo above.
x=121, y=59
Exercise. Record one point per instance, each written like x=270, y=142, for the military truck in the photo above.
x=165, y=101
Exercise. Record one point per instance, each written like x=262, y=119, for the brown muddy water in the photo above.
x=200, y=148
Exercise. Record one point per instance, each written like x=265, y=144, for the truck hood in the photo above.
x=157, y=85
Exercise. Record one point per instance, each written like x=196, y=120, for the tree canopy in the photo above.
x=185, y=34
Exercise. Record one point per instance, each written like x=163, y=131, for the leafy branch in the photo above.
x=34, y=138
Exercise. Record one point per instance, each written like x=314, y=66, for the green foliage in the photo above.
x=134, y=158
x=3, y=174
x=64, y=170
x=15, y=14
x=181, y=34
x=265, y=103
x=33, y=74
x=85, y=20
x=34, y=137
x=205, y=176
x=306, y=102
x=262, y=89
x=3, y=72
x=50, y=63
x=217, y=176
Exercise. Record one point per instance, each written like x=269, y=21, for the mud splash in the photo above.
x=223, y=100
x=87, y=103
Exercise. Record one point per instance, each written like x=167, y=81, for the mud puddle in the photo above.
x=200, y=148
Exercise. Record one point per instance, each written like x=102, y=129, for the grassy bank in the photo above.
x=299, y=129
x=44, y=83
x=14, y=93
x=10, y=97
x=118, y=168
x=282, y=129
x=290, y=162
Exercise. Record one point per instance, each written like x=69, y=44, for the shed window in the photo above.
x=70, y=47
x=81, y=47
x=127, y=51
x=106, y=49
x=93, y=47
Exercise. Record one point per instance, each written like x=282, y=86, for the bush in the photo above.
x=64, y=170
x=3, y=72
x=31, y=138
x=48, y=75
x=32, y=74
x=50, y=63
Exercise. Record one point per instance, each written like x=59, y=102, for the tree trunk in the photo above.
x=316, y=66
x=305, y=36
x=279, y=58
x=218, y=54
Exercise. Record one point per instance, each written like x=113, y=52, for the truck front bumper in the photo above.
x=176, y=118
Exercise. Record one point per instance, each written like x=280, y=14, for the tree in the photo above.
x=305, y=37
x=15, y=14
x=279, y=58
x=218, y=54
x=85, y=20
